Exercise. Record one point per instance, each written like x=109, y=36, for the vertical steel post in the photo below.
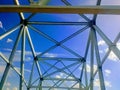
x=81, y=75
x=40, y=86
x=92, y=60
x=101, y=78
x=85, y=56
x=34, y=55
x=22, y=57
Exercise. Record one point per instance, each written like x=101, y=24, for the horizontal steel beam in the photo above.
x=105, y=9
x=61, y=79
x=57, y=23
x=47, y=87
x=60, y=58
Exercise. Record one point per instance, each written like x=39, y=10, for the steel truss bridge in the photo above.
x=58, y=73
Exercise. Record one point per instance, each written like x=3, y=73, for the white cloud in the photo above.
x=88, y=68
x=1, y=25
x=118, y=45
x=46, y=54
x=8, y=84
x=30, y=53
x=28, y=58
x=101, y=42
x=112, y=57
x=106, y=50
x=107, y=72
x=7, y=89
x=50, y=55
x=8, y=49
x=58, y=76
x=101, y=51
x=97, y=83
x=63, y=75
x=27, y=70
x=15, y=88
x=19, y=51
x=26, y=52
x=77, y=85
x=108, y=84
x=2, y=68
x=9, y=40
x=18, y=55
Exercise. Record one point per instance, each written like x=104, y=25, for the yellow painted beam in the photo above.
x=61, y=9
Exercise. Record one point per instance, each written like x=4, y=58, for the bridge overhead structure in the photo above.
x=55, y=47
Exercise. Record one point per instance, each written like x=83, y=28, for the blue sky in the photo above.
x=109, y=24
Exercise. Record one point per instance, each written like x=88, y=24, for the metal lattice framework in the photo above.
x=58, y=73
